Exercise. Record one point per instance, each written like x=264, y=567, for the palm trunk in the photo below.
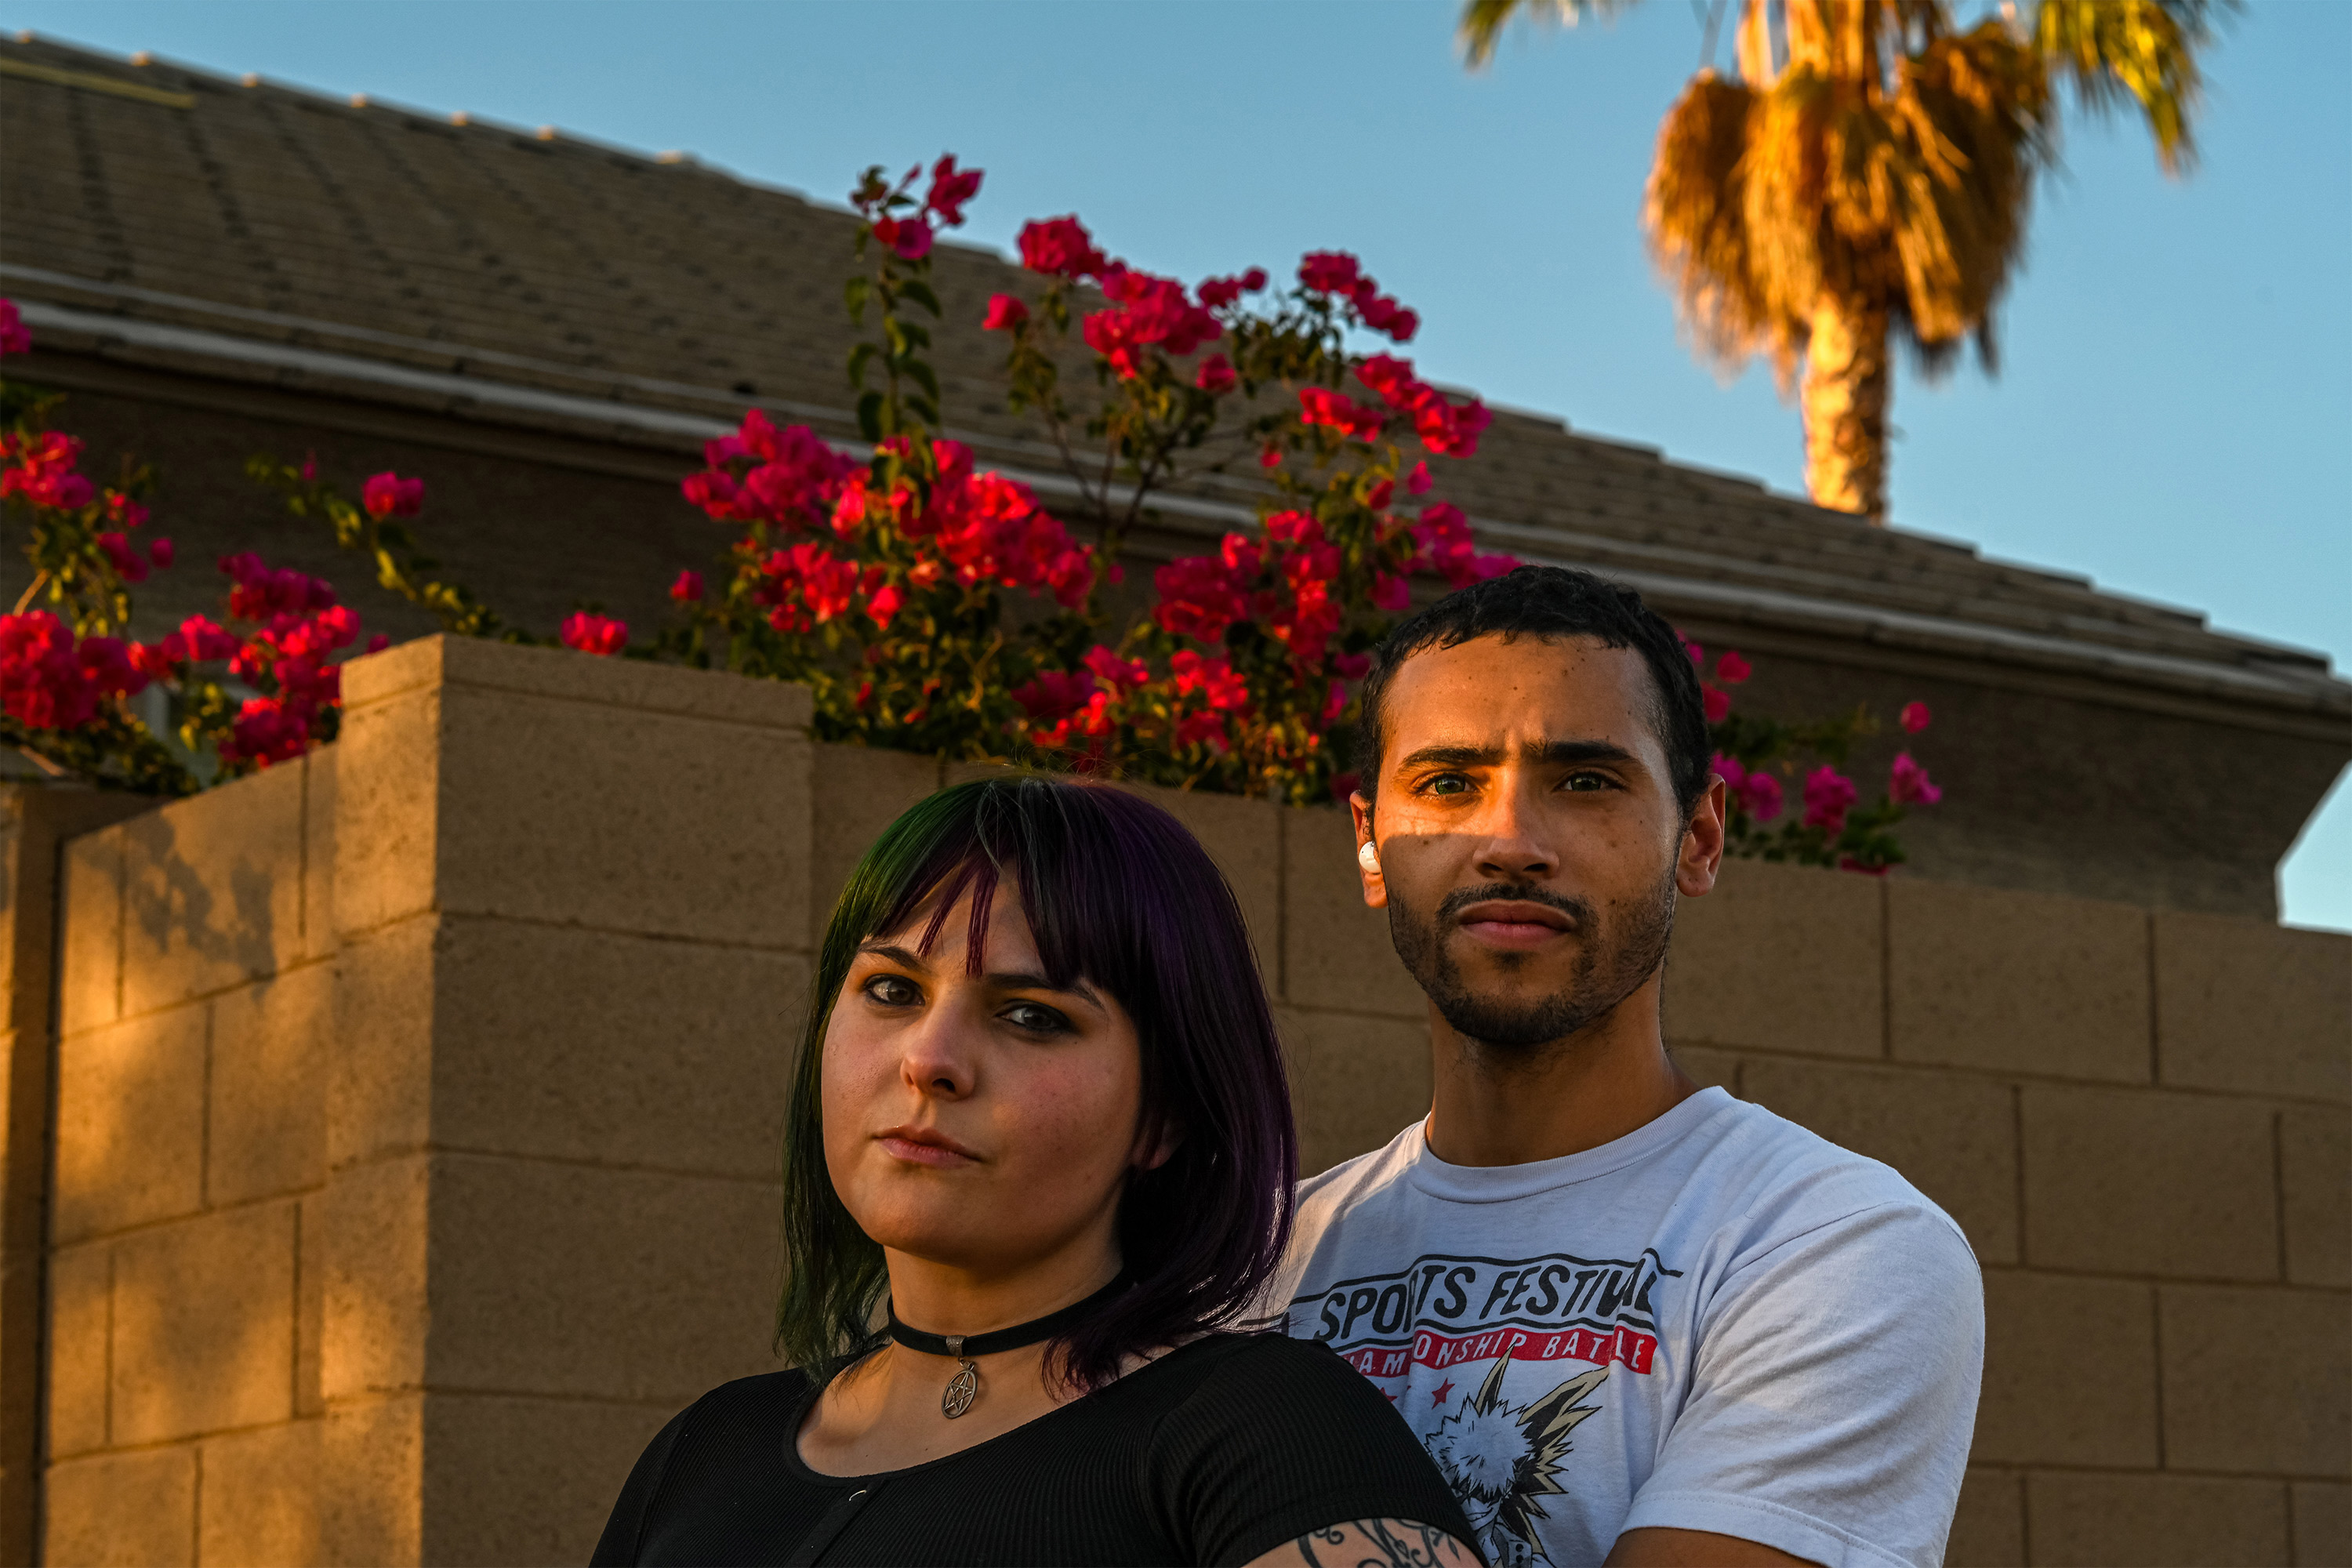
x=1846, y=394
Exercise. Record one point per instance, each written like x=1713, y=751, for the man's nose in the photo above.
x=1511, y=847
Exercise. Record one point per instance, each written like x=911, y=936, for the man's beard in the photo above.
x=1610, y=965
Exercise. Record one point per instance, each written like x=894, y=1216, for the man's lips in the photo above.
x=925, y=1146
x=1513, y=922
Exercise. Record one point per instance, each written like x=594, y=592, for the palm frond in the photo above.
x=1481, y=26
x=2144, y=50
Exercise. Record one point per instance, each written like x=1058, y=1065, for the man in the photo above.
x=1629, y=1318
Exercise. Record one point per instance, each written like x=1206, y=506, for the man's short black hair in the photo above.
x=1554, y=602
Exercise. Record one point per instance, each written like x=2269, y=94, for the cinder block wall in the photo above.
x=416, y=1118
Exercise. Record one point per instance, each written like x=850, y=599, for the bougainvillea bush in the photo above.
x=928, y=603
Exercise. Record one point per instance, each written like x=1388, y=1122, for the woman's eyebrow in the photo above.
x=1078, y=988
x=895, y=953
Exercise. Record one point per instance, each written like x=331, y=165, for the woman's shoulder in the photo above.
x=749, y=1413
x=1260, y=1376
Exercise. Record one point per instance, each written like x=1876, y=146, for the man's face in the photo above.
x=1529, y=843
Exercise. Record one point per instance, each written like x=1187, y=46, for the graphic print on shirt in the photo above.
x=1443, y=1311
x=1500, y=1459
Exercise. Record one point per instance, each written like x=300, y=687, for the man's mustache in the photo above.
x=1578, y=912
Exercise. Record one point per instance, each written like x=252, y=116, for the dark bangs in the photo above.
x=1119, y=894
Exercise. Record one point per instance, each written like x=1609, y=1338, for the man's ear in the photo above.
x=1367, y=865
x=1701, y=853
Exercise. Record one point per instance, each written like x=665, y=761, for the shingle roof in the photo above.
x=180, y=218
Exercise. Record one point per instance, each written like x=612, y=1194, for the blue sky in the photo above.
x=2174, y=412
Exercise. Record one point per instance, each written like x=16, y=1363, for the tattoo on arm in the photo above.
x=1380, y=1543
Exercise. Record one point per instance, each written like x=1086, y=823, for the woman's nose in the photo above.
x=935, y=1057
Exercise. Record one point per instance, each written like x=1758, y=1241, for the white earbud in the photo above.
x=1369, y=858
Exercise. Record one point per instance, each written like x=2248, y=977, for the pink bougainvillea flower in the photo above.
x=378, y=642
x=1909, y=783
x=128, y=564
x=687, y=589
x=1321, y=405
x=909, y=238
x=1418, y=482
x=1716, y=701
x=885, y=603
x=41, y=469
x=1914, y=718
x=1697, y=654
x=1731, y=670
x=1005, y=312
x=198, y=641
x=1829, y=795
x=1055, y=693
x=1391, y=593
x=162, y=551
x=1270, y=458
x=950, y=188
x=1329, y=271
x=1216, y=293
x=1060, y=247
x=1216, y=375
x=389, y=495
x=1352, y=666
x=1119, y=673
x=600, y=634
x=1760, y=794
x=14, y=338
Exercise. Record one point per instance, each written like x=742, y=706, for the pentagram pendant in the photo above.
x=964, y=1386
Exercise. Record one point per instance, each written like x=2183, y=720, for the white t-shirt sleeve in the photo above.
x=1835, y=1394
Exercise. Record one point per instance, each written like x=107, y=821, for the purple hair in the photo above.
x=1119, y=894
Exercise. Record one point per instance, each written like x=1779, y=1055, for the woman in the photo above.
x=1039, y=1147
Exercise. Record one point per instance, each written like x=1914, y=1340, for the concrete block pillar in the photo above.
x=34, y=821
x=571, y=913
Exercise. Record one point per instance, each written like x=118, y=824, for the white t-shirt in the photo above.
x=1719, y=1321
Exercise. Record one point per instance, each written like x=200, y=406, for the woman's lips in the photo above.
x=920, y=1146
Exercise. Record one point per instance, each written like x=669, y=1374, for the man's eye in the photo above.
x=1585, y=783
x=1035, y=1017
x=893, y=991
x=1446, y=783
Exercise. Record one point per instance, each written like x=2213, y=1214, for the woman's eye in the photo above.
x=1035, y=1017
x=893, y=991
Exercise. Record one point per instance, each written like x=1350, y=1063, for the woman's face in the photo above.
x=985, y=1121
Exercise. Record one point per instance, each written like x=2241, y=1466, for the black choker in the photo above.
x=964, y=1386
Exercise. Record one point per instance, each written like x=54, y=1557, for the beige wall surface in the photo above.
x=416, y=1111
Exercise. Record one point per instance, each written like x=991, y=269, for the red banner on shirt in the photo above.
x=1630, y=1347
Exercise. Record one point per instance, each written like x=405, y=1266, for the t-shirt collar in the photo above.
x=1501, y=1183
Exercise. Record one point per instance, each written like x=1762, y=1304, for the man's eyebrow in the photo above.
x=1559, y=753
x=1566, y=753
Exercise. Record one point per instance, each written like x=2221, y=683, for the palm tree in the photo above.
x=1868, y=176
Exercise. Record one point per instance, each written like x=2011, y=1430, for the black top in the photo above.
x=1216, y=1453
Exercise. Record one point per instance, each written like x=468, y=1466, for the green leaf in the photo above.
x=920, y=294
x=859, y=358
x=854, y=295
x=920, y=337
x=922, y=375
x=869, y=416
